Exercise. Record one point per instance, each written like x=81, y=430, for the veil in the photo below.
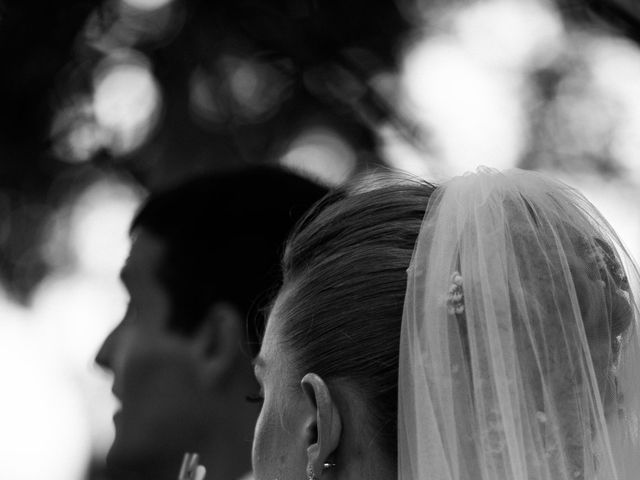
x=519, y=350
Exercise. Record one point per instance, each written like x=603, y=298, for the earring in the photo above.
x=311, y=474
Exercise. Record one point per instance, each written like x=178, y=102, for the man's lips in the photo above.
x=115, y=393
x=118, y=404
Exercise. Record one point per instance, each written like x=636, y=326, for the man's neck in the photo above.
x=223, y=461
x=226, y=453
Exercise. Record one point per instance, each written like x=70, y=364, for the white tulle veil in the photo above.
x=519, y=351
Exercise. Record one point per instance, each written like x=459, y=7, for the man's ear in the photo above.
x=218, y=340
x=325, y=429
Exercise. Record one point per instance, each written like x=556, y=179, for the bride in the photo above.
x=484, y=329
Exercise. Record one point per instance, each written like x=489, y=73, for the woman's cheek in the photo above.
x=267, y=448
x=257, y=449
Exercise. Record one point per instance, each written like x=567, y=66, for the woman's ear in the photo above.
x=324, y=430
x=218, y=340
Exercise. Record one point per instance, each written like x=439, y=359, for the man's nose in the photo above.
x=104, y=357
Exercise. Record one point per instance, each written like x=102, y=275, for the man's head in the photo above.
x=204, y=257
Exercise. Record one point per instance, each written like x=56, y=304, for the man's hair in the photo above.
x=223, y=236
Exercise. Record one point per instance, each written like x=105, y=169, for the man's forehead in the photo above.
x=126, y=267
x=145, y=253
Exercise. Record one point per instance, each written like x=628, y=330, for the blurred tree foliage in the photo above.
x=50, y=49
x=318, y=59
x=36, y=43
x=621, y=15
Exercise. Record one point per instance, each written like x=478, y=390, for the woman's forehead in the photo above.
x=270, y=341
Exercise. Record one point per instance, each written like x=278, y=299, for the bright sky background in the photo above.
x=56, y=405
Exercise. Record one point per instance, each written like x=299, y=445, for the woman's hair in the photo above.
x=341, y=304
x=343, y=293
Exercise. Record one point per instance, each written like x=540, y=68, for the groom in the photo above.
x=204, y=256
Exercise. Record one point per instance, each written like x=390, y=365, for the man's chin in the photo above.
x=122, y=459
x=130, y=462
x=147, y=445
